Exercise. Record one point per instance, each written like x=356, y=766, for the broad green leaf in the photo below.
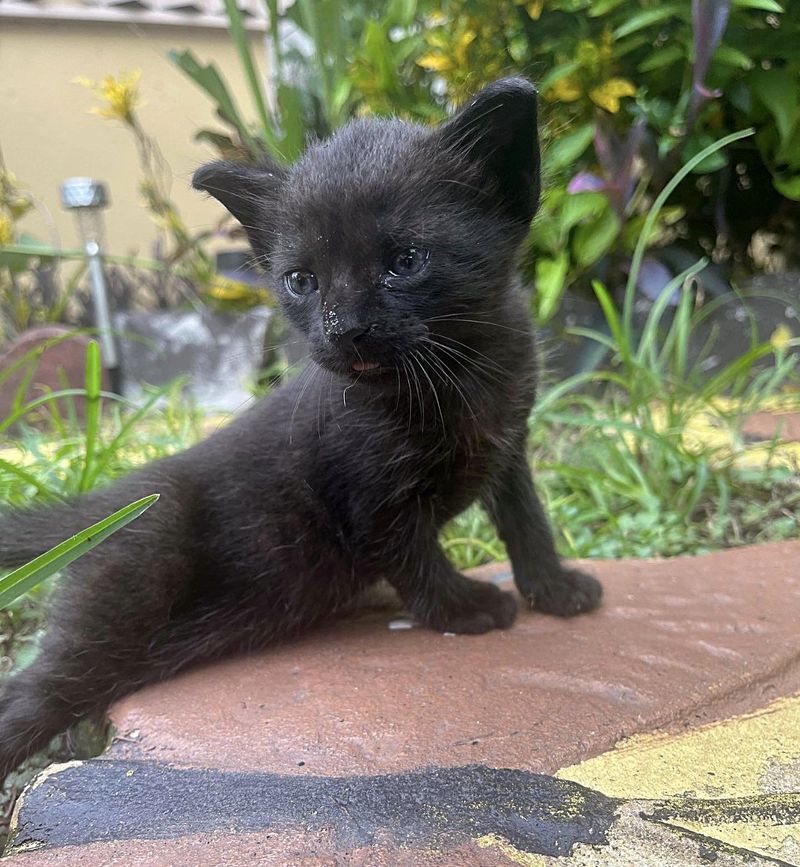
x=661, y=58
x=556, y=74
x=45, y=251
x=789, y=187
x=778, y=91
x=28, y=576
x=763, y=5
x=210, y=80
x=242, y=43
x=733, y=57
x=600, y=7
x=591, y=241
x=292, y=124
x=401, y=12
x=579, y=207
x=551, y=275
x=565, y=149
x=647, y=17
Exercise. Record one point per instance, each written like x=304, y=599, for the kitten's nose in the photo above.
x=347, y=339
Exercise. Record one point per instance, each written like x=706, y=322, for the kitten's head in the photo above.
x=389, y=233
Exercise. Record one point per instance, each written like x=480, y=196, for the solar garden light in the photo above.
x=87, y=198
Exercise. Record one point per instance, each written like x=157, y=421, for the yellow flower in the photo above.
x=15, y=202
x=462, y=45
x=435, y=62
x=610, y=92
x=6, y=232
x=229, y=290
x=780, y=338
x=535, y=9
x=120, y=95
x=566, y=89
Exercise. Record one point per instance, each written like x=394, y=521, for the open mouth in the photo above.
x=365, y=366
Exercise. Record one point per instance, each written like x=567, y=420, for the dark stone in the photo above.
x=220, y=354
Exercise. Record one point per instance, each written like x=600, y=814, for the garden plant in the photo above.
x=672, y=171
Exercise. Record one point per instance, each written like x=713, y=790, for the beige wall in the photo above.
x=47, y=135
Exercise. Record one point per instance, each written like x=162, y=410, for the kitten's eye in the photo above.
x=300, y=282
x=408, y=262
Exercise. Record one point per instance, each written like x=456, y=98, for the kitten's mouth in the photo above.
x=365, y=366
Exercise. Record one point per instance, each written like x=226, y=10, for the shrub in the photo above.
x=631, y=92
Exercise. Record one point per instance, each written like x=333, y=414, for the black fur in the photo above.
x=339, y=478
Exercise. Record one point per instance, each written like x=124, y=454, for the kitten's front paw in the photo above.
x=478, y=607
x=571, y=593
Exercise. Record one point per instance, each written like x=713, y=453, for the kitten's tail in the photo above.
x=27, y=533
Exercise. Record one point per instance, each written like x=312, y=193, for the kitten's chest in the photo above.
x=454, y=473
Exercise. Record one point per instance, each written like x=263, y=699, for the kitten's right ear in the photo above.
x=497, y=131
x=245, y=190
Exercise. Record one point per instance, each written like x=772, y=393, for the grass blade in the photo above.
x=652, y=217
x=240, y=40
x=23, y=579
x=93, y=410
x=29, y=479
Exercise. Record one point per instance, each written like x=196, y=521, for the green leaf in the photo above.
x=28, y=576
x=401, y=12
x=209, y=79
x=600, y=7
x=578, y=207
x=647, y=17
x=45, y=251
x=551, y=275
x=242, y=43
x=763, y=5
x=21, y=256
x=733, y=57
x=778, y=91
x=591, y=241
x=661, y=58
x=789, y=187
x=556, y=74
x=565, y=149
x=292, y=125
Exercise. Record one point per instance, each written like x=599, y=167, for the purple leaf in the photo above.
x=586, y=182
x=709, y=20
x=617, y=158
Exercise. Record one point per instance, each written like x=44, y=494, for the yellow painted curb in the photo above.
x=750, y=755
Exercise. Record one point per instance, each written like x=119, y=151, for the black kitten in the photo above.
x=392, y=247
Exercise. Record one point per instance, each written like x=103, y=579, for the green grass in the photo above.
x=609, y=449
x=619, y=476
x=47, y=454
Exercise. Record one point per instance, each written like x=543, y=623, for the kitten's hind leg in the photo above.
x=522, y=524
x=98, y=644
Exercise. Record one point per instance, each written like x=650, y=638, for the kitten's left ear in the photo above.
x=246, y=191
x=498, y=130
